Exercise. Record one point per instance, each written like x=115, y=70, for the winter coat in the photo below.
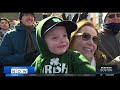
x=12, y=48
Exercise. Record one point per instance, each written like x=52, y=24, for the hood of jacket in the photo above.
x=42, y=44
x=40, y=40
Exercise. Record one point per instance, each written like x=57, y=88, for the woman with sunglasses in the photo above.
x=86, y=40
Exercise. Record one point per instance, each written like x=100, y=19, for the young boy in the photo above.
x=55, y=58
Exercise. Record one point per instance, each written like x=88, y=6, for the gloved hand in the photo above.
x=75, y=17
x=30, y=57
x=83, y=16
x=78, y=18
x=116, y=61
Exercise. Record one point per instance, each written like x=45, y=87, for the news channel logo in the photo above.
x=18, y=70
x=106, y=69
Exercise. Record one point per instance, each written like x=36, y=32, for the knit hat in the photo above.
x=21, y=14
x=55, y=21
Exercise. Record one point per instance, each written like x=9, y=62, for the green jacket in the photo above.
x=71, y=62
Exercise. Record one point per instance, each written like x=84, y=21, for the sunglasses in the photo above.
x=113, y=15
x=87, y=36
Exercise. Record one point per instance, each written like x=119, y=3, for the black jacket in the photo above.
x=109, y=44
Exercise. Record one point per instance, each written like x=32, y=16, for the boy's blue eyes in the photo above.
x=57, y=37
x=54, y=38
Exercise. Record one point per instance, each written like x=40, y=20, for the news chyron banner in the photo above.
x=106, y=70
x=18, y=70
x=29, y=70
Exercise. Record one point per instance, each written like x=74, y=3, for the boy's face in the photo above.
x=57, y=40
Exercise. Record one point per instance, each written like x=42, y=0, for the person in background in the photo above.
x=53, y=35
x=19, y=46
x=109, y=44
x=109, y=38
x=4, y=27
x=14, y=23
